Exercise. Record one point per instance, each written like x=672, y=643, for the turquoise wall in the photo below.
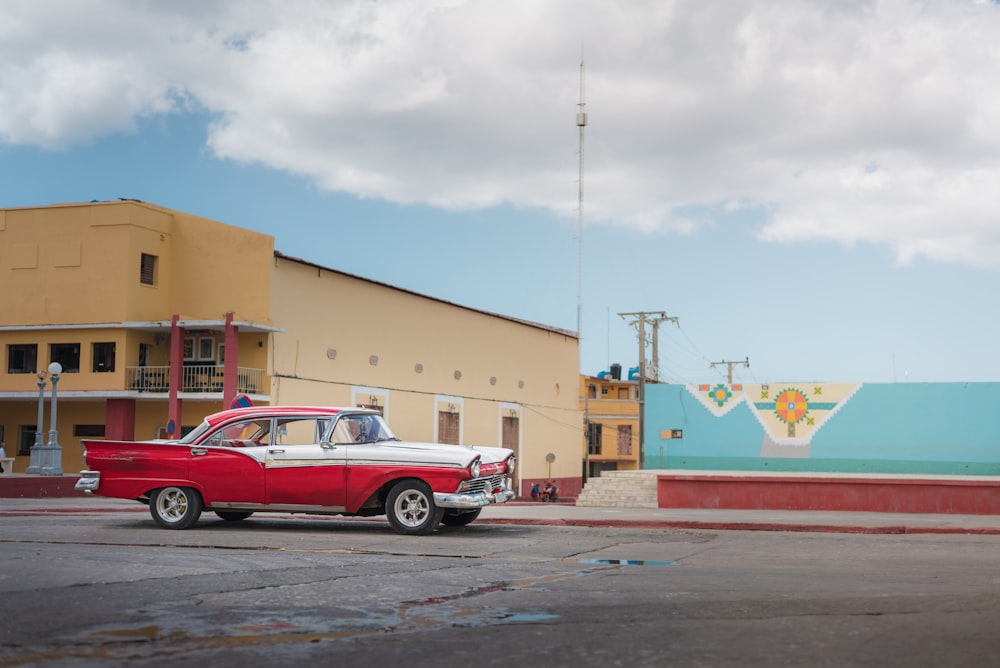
x=929, y=428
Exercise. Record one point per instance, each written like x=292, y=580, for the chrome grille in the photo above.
x=480, y=484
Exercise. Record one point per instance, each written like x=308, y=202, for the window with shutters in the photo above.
x=147, y=269
x=511, y=435
x=448, y=427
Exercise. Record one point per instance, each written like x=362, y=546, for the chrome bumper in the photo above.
x=89, y=481
x=473, y=500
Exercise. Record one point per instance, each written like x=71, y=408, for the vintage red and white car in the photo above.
x=300, y=459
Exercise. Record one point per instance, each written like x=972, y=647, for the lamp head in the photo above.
x=55, y=369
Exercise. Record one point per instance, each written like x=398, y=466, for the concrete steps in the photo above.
x=620, y=489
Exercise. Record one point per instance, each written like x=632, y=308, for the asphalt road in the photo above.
x=105, y=588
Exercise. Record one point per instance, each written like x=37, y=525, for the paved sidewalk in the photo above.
x=746, y=520
x=564, y=514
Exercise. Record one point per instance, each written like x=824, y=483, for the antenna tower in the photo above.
x=581, y=122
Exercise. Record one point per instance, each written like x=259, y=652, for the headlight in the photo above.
x=511, y=464
x=474, y=468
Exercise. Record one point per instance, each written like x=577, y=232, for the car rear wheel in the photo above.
x=233, y=515
x=458, y=518
x=175, y=507
x=410, y=508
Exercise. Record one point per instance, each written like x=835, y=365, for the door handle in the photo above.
x=199, y=451
x=276, y=452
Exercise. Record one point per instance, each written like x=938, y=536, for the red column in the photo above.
x=230, y=369
x=176, y=377
x=119, y=420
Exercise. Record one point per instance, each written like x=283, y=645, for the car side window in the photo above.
x=300, y=431
x=244, y=434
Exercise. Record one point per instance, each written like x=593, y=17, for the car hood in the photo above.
x=441, y=453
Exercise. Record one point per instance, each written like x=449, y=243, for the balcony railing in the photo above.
x=194, y=378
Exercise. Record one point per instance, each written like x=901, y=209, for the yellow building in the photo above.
x=159, y=318
x=610, y=408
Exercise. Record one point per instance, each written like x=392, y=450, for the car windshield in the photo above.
x=362, y=428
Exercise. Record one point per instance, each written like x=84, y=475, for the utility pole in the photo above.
x=729, y=364
x=581, y=123
x=654, y=318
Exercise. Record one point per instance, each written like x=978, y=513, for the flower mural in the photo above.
x=791, y=407
x=720, y=394
x=790, y=415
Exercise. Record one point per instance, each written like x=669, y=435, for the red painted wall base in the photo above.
x=963, y=496
x=21, y=486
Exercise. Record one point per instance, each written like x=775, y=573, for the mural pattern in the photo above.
x=790, y=414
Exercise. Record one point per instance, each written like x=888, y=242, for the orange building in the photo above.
x=610, y=406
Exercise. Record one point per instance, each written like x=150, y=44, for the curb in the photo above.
x=748, y=526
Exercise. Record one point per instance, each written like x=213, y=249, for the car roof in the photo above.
x=280, y=411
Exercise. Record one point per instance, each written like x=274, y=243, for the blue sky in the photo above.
x=809, y=185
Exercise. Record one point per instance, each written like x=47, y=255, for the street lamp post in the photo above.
x=35, y=467
x=54, y=370
x=50, y=456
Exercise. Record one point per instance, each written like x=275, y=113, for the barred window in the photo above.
x=624, y=439
x=594, y=438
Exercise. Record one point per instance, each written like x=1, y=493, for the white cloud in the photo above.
x=850, y=121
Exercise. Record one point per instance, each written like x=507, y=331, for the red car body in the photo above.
x=300, y=459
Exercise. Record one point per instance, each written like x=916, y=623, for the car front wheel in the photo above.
x=410, y=508
x=175, y=507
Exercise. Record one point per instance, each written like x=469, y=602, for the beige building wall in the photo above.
x=351, y=341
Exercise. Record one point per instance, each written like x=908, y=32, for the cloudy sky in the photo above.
x=811, y=185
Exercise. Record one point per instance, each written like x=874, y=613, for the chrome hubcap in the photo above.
x=173, y=505
x=412, y=508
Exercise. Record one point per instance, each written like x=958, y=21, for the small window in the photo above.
x=206, y=349
x=147, y=269
x=68, y=356
x=604, y=391
x=22, y=358
x=88, y=430
x=104, y=357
